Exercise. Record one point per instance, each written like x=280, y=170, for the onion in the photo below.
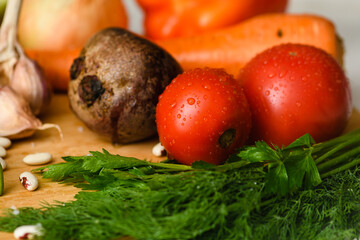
x=52, y=32
x=66, y=24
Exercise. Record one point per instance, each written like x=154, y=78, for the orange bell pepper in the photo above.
x=166, y=19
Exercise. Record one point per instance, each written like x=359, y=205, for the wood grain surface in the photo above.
x=77, y=140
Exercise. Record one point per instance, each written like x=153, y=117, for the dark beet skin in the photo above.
x=115, y=84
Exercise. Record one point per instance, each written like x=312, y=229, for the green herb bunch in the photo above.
x=306, y=190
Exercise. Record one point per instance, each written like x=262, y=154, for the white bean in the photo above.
x=29, y=181
x=15, y=210
x=28, y=231
x=2, y=163
x=5, y=142
x=159, y=150
x=2, y=151
x=37, y=158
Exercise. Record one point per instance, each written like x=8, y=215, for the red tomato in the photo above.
x=203, y=115
x=295, y=89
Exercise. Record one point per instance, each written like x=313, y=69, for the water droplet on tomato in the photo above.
x=271, y=75
x=173, y=105
x=267, y=93
x=282, y=74
x=190, y=101
x=178, y=116
x=172, y=142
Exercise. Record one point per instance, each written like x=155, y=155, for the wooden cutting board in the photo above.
x=77, y=140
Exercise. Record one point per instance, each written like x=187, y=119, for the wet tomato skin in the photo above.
x=203, y=114
x=295, y=89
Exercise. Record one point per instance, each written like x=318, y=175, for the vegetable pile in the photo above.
x=261, y=192
x=260, y=139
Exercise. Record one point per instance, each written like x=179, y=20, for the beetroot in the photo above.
x=115, y=84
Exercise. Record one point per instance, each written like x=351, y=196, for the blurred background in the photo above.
x=344, y=14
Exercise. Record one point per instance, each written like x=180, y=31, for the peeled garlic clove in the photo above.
x=29, y=81
x=16, y=118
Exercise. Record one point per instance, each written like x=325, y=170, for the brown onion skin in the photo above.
x=115, y=84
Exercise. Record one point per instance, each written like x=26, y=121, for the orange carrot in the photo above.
x=56, y=65
x=231, y=48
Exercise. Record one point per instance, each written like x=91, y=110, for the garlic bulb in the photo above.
x=23, y=90
x=28, y=81
x=16, y=69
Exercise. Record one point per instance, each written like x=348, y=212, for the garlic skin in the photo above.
x=8, y=31
x=28, y=80
x=16, y=119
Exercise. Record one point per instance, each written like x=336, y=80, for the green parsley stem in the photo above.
x=329, y=145
x=172, y=166
x=347, y=142
x=339, y=159
x=341, y=168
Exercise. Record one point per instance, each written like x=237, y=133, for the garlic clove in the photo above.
x=28, y=80
x=16, y=119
